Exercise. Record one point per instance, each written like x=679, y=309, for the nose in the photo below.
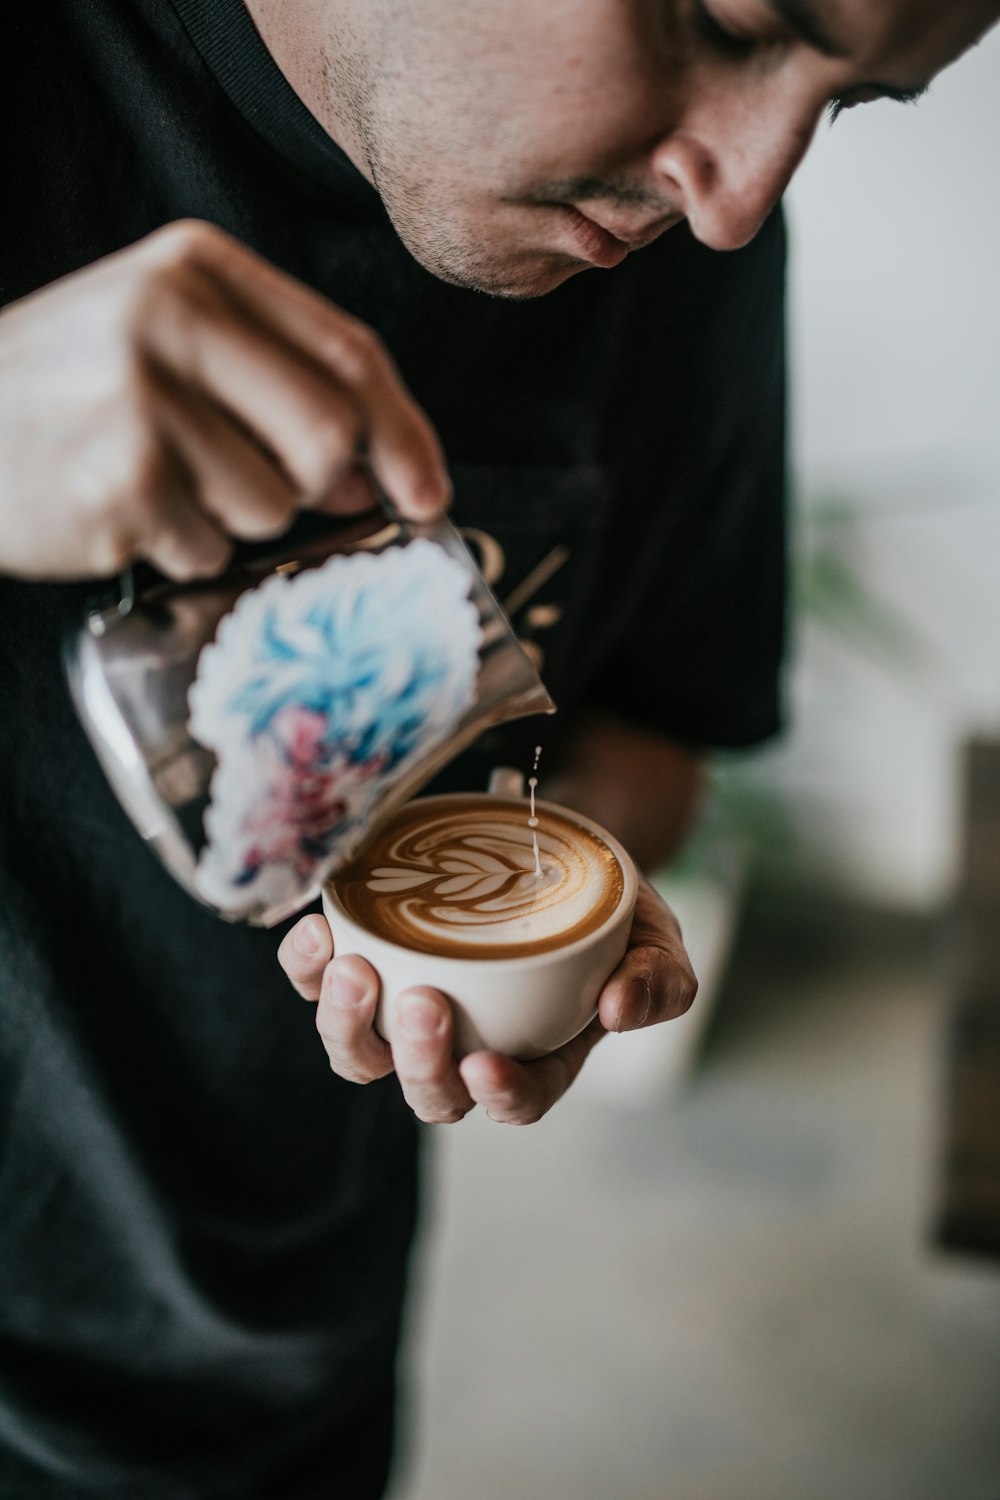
x=727, y=170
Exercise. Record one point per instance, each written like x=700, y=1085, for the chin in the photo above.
x=518, y=288
x=518, y=277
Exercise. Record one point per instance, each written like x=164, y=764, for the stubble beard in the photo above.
x=434, y=237
x=431, y=234
x=432, y=240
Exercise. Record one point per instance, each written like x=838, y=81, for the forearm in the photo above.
x=640, y=786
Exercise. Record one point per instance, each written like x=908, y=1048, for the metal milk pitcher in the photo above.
x=258, y=725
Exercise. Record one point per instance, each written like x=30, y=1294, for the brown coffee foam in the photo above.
x=426, y=862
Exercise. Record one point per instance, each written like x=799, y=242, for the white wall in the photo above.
x=895, y=304
x=896, y=223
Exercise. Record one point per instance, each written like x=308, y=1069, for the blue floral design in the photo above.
x=345, y=678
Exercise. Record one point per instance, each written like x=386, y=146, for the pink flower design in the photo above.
x=307, y=796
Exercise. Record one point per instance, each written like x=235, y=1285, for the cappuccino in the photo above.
x=458, y=878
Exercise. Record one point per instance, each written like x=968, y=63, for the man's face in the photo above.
x=517, y=142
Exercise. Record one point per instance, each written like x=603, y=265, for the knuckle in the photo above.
x=361, y=355
x=298, y=981
x=348, y=1062
x=687, y=991
x=420, y=1074
x=648, y=956
x=334, y=440
x=268, y=520
x=526, y=1116
x=345, y=1044
x=351, y=1072
x=673, y=976
x=330, y=1034
x=167, y=297
x=151, y=302
x=187, y=240
x=353, y=492
x=444, y=1114
x=185, y=565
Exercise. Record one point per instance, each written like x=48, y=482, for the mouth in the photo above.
x=596, y=244
x=602, y=247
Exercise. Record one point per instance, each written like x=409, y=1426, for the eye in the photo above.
x=868, y=94
x=837, y=107
x=722, y=38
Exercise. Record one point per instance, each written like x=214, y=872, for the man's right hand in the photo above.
x=182, y=393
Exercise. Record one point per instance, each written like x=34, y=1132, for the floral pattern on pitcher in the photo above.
x=319, y=692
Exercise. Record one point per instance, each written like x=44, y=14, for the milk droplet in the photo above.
x=533, y=821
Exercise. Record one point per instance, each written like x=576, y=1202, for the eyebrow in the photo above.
x=801, y=17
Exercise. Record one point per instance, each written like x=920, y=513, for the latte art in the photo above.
x=459, y=879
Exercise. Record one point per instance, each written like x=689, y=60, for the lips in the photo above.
x=598, y=245
x=604, y=246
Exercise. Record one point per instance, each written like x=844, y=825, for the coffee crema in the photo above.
x=458, y=879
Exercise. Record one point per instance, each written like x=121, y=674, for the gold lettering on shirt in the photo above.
x=534, y=617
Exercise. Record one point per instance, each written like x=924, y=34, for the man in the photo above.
x=204, y=1234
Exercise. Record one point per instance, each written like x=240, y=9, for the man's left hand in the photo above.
x=654, y=982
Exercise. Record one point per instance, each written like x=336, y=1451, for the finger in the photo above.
x=403, y=446
x=514, y=1093
x=350, y=495
x=237, y=481
x=345, y=1019
x=309, y=421
x=654, y=981
x=304, y=953
x=421, y=1036
x=170, y=529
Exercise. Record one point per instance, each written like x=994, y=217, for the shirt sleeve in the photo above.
x=695, y=643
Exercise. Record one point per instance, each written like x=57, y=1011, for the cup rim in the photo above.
x=626, y=903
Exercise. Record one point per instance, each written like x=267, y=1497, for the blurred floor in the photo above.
x=731, y=1296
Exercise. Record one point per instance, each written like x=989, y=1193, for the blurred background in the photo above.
x=717, y=1271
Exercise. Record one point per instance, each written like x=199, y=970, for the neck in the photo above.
x=319, y=48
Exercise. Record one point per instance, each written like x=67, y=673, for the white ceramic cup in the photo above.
x=523, y=1007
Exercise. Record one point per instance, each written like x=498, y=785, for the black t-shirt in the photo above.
x=203, y=1233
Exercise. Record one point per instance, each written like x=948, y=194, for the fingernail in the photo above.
x=346, y=991
x=641, y=995
x=307, y=940
x=637, y=1001
x=420, y=1018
